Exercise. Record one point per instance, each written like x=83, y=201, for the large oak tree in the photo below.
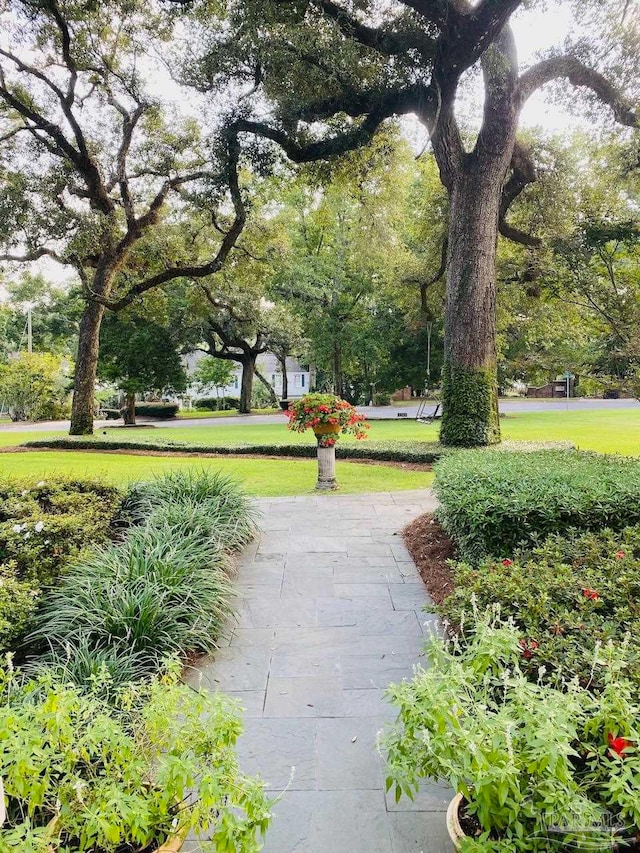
x=322, y=76
x=98, y=171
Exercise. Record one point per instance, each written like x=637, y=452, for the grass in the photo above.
x=260, y=477
x=613, y=431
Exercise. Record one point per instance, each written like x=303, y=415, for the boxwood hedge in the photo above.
x=492, y=501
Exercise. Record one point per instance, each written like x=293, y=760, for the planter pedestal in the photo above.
x=326, y=469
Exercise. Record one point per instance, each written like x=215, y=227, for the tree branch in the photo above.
x=523, y=173
x=578, y=74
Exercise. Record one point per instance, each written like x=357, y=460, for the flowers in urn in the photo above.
x=328, y=416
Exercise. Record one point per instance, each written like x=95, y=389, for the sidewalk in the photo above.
x=330, y=614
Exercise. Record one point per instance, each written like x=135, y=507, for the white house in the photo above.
x=298, y=377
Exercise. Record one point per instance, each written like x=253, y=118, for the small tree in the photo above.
x=139, y=356
x=33, y=386
x=212, y=373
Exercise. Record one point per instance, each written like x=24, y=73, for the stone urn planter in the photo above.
x=454, y=829
x=326, y=457
x=329, y=417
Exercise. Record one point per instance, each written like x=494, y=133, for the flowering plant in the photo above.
x=328, y=414
x=538, y=764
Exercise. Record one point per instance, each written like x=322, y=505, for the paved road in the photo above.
x=330, y=613
x=372, y=412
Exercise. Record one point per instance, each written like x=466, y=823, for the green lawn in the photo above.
x=614, y=431
x=262, y=477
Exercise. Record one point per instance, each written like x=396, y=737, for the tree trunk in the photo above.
x=129, y=412
x=82, y=407
x=285, y=378
x=273, y=399
x=469, y=379
x=246, y=386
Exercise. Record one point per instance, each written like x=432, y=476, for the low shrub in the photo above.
x=157, y=762
x=568, y=597
x=423, y=452
x=492, y=501
x=215, y=404
x=43, y=525
x=541, y=767
x=382, y=398
x=17, y=604
x=164, y=411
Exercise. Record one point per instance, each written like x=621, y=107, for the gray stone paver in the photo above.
x=328, y=613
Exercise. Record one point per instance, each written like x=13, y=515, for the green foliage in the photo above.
x=492, y=501
x=17, y=603
x=470, y=407
x=43, y=525
x=159, y=761
x=214, y=404
x=163, y=411
x=33, y=386
x=163, y=591
x=139, y=355
x=212, y=373
x=526, y=755
x=570, y=595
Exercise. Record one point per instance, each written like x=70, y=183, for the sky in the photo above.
x=534, y=31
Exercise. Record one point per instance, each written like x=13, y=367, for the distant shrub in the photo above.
x=165, y=411
x=493, y=501
x=215, y=404
x=382, y=398
x=17, y=603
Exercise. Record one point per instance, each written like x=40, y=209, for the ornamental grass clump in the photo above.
x=158, y=762
x=540, y=766
x=328, y=416
x=163, y=590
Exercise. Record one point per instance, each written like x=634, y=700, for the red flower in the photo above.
x=591, y=594
x=619, y=744
x=528, y=648
x=507, y=562
x=620, y=555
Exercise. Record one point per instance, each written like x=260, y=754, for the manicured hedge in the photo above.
x=214, y=404
x=43, y=526
x=385, y=451
x=493, y=501
x=164, y=411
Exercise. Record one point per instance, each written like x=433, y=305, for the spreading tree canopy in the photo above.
x=322, y=76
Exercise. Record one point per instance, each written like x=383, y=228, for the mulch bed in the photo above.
x=430, y=548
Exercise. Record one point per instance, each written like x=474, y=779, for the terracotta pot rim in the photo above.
x=326, y=429
x=456, y=833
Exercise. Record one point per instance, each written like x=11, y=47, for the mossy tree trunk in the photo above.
x=129, y=413
x=248, y=363
x=469, y=379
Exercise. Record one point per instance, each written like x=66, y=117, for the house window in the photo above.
x=235, y=381
x=273, y=379
x=296, y=381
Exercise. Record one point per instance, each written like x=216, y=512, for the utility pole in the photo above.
x=29, y=331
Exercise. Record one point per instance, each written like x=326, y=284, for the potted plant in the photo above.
x=535, y=766
x=136, y=774
x=329, y=417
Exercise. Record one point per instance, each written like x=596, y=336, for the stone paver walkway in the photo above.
x=330, y=614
